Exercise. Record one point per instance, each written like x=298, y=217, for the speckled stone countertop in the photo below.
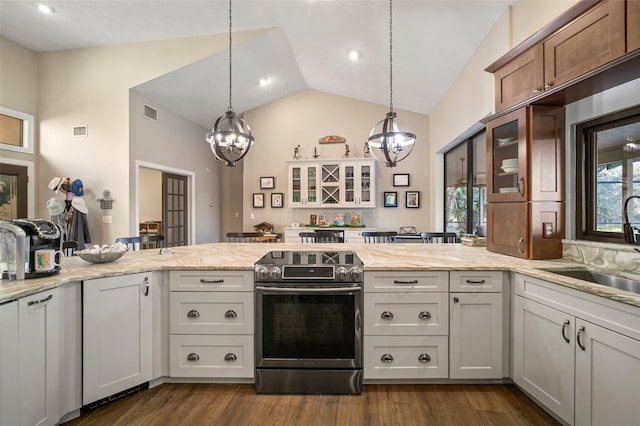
x=376, y=257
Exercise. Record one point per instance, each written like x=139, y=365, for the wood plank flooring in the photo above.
x=406, y=405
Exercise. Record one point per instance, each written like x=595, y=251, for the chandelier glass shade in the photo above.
x=230, y=139
x=391, y=137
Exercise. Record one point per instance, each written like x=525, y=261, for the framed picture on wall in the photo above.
x=267, y=182
x=401, y=179
x=391, y=199
x=258, y=200
x=276, y=200
x=412, y=199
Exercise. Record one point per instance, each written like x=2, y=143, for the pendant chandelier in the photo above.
x=230, y=139
x=391, y=136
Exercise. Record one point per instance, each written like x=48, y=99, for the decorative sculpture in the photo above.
x=346, y=151
x=296, y=153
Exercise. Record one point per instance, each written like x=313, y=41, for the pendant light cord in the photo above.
x=391, y=55
x=230, y=107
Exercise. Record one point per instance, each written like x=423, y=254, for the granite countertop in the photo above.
x=376, y=257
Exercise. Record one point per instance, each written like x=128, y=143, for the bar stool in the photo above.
x=376, y=237
x=244, y=237
x=439, y=237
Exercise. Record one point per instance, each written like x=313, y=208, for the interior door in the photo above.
x=13, y=191
x=174, y=210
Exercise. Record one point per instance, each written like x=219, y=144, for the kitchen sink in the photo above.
x=608, y=280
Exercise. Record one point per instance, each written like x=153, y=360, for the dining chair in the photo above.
x=244, y=237
x=439, y=237
x=376, y=237
x=152, y=241
x=132, y=243
x=320, y=236
x=69, y=248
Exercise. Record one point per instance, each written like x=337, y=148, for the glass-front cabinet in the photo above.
x=507, y=158
x=303, y=185
x=332, y=183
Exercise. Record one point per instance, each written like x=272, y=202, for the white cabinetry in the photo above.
x=9, y=395
x=211, y=323
x=332, y=183
x=577, y=353
x=39, y=363
x=117, y=335
x=406, y=325
x=351, y=235
x=475, y=335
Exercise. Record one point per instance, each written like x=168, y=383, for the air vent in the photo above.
x=150, y=113
x=80, y=131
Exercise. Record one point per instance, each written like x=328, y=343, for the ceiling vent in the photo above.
x=80, y=131
x=150, y=113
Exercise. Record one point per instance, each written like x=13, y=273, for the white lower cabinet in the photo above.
x=406, y=325
x=576, y=353
x=117, y=335
x=9, y=358
x=39, y=363
x=607, y=377
x=211, y=324
x=476, y=325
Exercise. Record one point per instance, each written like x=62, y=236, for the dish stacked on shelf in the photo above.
x=508, y=189
x=510, y=165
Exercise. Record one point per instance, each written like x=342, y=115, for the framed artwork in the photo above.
x=313, y=220
x=401, y=179
x=276, y=200
x=412, y=199
x=267, y=182
x=391, y=199
x=258, y=200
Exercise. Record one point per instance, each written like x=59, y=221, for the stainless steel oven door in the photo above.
x=306, y=327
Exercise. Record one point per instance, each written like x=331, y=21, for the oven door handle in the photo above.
x=309, y=290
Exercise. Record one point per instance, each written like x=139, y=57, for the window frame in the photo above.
x=27, y=131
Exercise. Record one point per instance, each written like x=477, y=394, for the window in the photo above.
x=16, y=131
x=465, y=191
x=609, y=174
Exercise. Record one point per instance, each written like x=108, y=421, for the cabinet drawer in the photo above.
x=406, y=314
x=406, y=357
x=418, y=281
x=211, y=281
x=475, y=281
x=211, y=313
x=211, y=356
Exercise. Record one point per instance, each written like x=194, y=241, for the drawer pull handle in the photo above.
x=405, y=282
x=424, y=315
x=193, y=314
x=230, y=357
x=424, y=358
x=456, y=300
x=386, y=315
x=230, y=314
x=36, y=302
x=193, y=357
x=386, y=358
x=580, y=331
x=203, y=281
x=146, y=286
x=564, y=327
x=475, y=282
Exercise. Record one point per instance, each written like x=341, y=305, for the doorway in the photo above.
x=164, y=199
x=13, y=191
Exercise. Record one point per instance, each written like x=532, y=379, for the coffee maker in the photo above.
x=19, y=240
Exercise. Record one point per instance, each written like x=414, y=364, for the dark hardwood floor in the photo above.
x=232, y=404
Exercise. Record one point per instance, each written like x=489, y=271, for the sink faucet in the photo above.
x=627, y=228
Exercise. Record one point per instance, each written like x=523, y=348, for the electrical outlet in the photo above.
x=547, y=230
x=252, y=216
x=106, y=219
x=237, y=215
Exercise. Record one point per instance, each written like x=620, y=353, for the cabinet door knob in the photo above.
x=548, y=85
x=456, y=300
x=230, y=314
x=386, y=358
x=193, y=357
x=521, y=245
x=424, y=358
x=386, y=315
x=146, y=286
x=193, y=314
x=564, y=327
x=537, y=90
x=230, y=357
x=580, y=332
x=424, y=315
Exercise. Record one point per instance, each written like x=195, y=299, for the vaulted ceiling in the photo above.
x=307, y=46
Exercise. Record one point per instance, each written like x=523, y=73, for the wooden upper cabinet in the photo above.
x=519, y=79
x=633, y=25
x=594, y=39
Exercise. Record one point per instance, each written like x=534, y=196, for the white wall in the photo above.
x=303, y=119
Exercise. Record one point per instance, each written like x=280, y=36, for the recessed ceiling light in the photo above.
x=265, y=81
x=354, y=55
x=48, y=10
